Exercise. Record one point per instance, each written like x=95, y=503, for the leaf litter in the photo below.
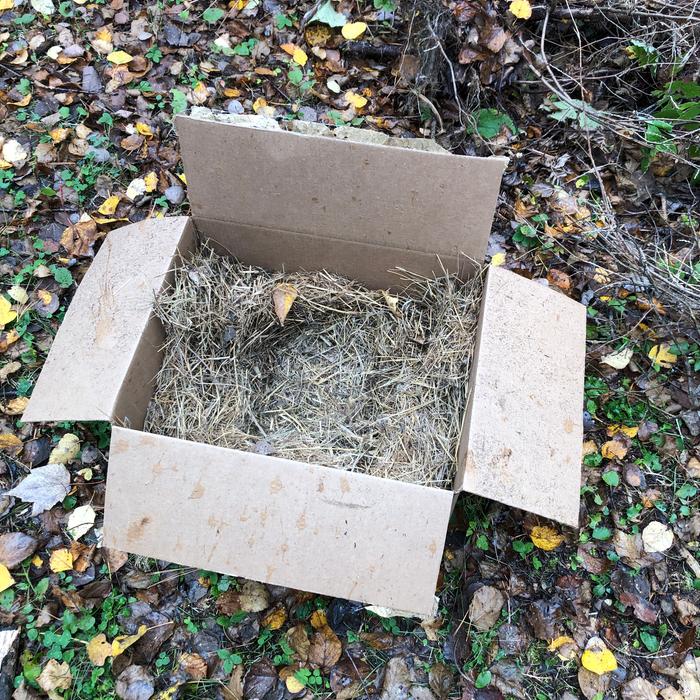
x=317, y=368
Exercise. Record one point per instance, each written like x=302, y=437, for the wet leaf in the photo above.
x=325, y=649
x=80, y=521
x=121, y=643
x=109, y=206
x=193, y=665
x=545, y=537
x=597, y=658
x=485, y=608
x=9, y=441
x=613, y=449
x=43, y=487
x=619, y=359
x=357, y=101
x=275, y=618
x=99, y=649
x=15, y=547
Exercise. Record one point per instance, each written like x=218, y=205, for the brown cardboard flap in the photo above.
x=433, y=203
x=101, y=335
x=521, y=443
x=308, y=527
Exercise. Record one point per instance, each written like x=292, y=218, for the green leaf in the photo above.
x=179, y=101
x=62, y=275
x=650, y=641
x=483, y=679
x=601, y=533
x=212, y=15
x=611, y=478
x=295, y=76
x=327, y=14
x=686, y=491
x=490, y=121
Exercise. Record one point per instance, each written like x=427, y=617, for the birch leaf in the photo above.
x=597, y=658
x=44, y=487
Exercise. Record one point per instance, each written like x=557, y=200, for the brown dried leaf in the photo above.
x=325, y=649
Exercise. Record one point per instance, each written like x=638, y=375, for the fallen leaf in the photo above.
x=44, y=7
x=79, y=238
x=325, y=649
x=7, y=315
x=619, y=359
x=498, y=259
x=7, y=339
x=629, y=430
x=298, y=639
x=9, y=441
x=144, y=129
x=318, y=619
x=545, y=537
x=6, y=5
x=193, y=665
x=18, y=294
x=119, y=58
x=353, y=30
x=121, y=643
x=299, y=56
x=597, y=658
x=151, y=181
x=283, y=296
x=80, y=521
x=253, y=597
x=613, y=449
x=357, y=101
x=662, y=356
x=44, y=487
x=639, y=689
x=565, y=647
x=521, y=9
x=135, y=683
x=392, y=302
x=15, y=407
x=14, y=153
x=327, y=14
x=15, y=547
x=109, y=206
x=485, y=608
x=431, y=628
x=55, y=677
x=275, y=618
x=6, y=579
x=66, y=450
x=136, y=189
x=61, y=560
x=99, y=649
x=293, y=684
x=657, y=537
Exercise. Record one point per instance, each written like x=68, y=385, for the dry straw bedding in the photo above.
x=354, y=378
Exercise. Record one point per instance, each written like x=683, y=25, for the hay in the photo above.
x=346, y=382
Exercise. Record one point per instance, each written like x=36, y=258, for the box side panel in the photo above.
x=102, y=331
x=521, y=441
x=282, y=522
x=433, y=203
x=364, y=262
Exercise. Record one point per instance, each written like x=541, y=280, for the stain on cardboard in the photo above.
x=276, y=485
x=344, y=485
x=135, y=530
x=568, y=425
x=197, y=491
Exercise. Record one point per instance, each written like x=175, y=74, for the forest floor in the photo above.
x=596, y=105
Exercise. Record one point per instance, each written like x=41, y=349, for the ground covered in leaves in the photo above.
x=596, y=105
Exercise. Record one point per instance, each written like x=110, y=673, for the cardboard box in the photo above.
x=287, y=201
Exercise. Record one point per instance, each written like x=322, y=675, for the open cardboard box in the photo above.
x=287, y=201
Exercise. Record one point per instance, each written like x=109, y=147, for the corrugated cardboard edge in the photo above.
x=287, y=523
x=521, y=441
x=105, y=324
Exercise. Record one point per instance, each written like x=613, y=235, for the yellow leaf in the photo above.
x=9, y=441
x=44, y=296
x=293, y=684
x=232, y=92
x=318, y=619
x=119, y=58
x=357, y=101
x=66, y=450
x=59, y=134
x=275, y=618
x=662, y=356
x=629, y=430
x=601, y=275
x=6, y=5
x=299, y=56
x=283, y=296
x=613, y=449
x=353, y=30
x=6, y=579
x=545, y=537
x=151, y=180
x=598, y=658
x=123, y=642
x=259, y=104
x=15, y=407
x=7, y=315
x=565, y=648
x=37, y=560
x=498, y=259
x=61, y=560
x=183, y=177
x=109, y=206
x=521, y=9
x=99, y=650
x=559, y=641
x=144, y=129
